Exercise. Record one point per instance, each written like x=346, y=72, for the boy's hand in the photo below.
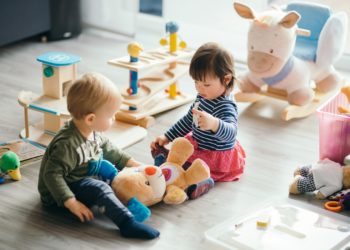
x=79, y=209
x=160, y=140
x=132, y=163
x=206, y=121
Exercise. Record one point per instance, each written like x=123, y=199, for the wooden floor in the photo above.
x=274, y=148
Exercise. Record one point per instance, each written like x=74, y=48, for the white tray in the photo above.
x=293, y=225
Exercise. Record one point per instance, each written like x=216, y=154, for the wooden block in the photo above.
x=145, y=122
x=56, y=85
x=157, y=104
x=152, y=58
x=121, y=134
x=263, y=221
x=155, y=82
x=53, y=123
x=44, y=103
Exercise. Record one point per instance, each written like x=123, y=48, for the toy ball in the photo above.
x=171, y=27
x=163, y=42
x=134, y=49
x=183, y=44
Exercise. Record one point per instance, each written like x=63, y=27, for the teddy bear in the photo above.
x=326, y=177
x=145, y=183
x=136, y=187
x=177, y=179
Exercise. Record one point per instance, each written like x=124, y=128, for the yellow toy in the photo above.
x=156, y=91
x=10, y=165
x=263, y=221
x=177, y=179
x=346, y=91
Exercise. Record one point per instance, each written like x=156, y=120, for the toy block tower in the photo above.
x=59, y=71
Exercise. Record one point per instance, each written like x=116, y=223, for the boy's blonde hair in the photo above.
x=88, y=93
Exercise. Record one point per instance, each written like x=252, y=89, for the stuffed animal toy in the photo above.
x=326, y=177
x=272, y=40
x=139, y=187
x=136, y=187
x=145, y=183
x=9, y=165
x=177, y=179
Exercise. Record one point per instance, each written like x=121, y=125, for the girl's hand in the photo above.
x=79, y=209
x=160, y=140
x=206, y=121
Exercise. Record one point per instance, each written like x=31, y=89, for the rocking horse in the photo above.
x=284, y=59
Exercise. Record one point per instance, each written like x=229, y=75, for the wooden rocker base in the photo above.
x=159, y=103
x=121, y=134
x=291, y=111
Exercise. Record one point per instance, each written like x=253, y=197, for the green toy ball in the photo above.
x=10, y=164
x=48, y=71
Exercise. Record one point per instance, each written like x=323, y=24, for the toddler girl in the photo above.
x=211, y=122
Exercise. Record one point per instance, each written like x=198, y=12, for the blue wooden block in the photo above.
x=58, y=59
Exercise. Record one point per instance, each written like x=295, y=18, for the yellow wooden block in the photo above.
x=263, y=221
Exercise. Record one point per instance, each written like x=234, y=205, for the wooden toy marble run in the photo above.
x=157, y=91
x=59, y=71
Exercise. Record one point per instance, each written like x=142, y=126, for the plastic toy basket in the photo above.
x=334, y=129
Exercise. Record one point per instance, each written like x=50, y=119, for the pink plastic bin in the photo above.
x=334, y=129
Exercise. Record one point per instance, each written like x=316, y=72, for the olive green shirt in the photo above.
x=66, y=161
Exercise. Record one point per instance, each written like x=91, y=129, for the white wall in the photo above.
x=202, y=21
x=114, y=15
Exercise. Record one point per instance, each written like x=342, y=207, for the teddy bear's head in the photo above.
x=145, y=183
x=346, y=177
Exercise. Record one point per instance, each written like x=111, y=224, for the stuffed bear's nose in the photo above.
x=150, y=170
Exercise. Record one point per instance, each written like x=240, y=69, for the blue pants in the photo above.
x=91, y=192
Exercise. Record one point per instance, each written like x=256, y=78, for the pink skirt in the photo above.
x=225, y=165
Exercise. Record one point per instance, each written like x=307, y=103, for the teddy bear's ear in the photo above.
x=180, y=151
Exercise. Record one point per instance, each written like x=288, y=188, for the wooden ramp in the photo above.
x=155, y=82
x=149, y=59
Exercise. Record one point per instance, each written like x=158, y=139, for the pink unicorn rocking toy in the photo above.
x=291, y=54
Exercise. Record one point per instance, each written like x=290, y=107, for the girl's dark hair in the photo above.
x=211, y=59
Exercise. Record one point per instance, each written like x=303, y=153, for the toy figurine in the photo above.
x=9, y=165
x=326, y=177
